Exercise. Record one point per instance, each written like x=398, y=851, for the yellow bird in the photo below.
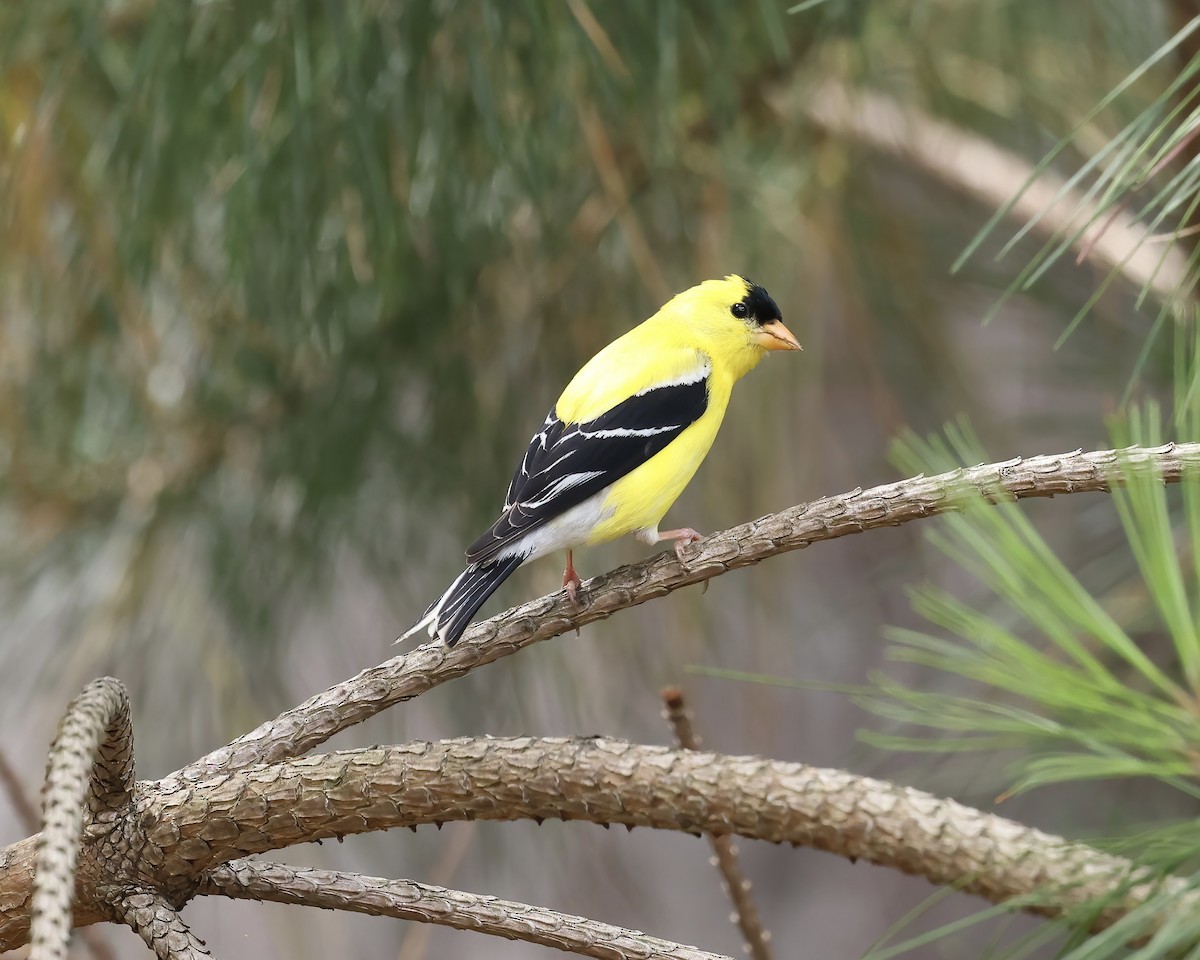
x=622, y=441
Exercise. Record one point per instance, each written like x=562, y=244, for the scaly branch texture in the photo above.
x=187, y=829
x=158, y=923
x=229, y=803
x=89, y=771
x=406, y=900
x=302, y=728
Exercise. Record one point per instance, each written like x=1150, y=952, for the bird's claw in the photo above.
x=572, y=583
x=686, y=538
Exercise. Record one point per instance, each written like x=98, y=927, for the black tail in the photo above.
x=449, y=615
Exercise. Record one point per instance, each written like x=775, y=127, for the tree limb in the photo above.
x=407, y=900
x=90, y=770
x=352, y=701
x=227, y=804
x=993, y=176
x=186, y=831
x=614, y=782
x=158, y=923
x=725, y=855
x=22, y=804
x=28, y=817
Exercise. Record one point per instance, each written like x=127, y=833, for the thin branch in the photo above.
x=725, y=854
x=600, y=39
x=90, y=769
x=415, y=945
x=159, y=924
x=352, y=701
x=23, y=807
x=27, y=814
x=407, y=900
x=608, y=168
x=991, y=175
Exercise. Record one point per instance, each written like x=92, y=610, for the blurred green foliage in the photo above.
x=273, y=265
x=285, y=286
x=275, y=227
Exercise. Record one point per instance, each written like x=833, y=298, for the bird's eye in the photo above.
x=739, y=310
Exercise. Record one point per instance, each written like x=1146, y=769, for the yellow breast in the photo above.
x=639, y=500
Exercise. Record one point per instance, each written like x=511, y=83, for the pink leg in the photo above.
x=682, y=537
x=571, y=579
x=572, y=582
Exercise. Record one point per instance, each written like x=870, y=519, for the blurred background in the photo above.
x=285, y=288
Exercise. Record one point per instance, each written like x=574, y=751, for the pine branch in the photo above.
x=90, y=771
x=159, y=924
x=725, y=855
x=185, y=831
x=407, y=900
x=352, y=701
x=992, y=176
x=228, y=804
x=22, y=804
x=28, y=817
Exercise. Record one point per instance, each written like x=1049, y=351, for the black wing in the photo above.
x=565, y=465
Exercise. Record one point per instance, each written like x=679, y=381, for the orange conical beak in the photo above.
x=775, y=336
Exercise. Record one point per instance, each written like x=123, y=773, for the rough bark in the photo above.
x=184, y=831
x=343, y=705
x=251, y=797
x=158, y=923
x=88, y=781
x=406, y=900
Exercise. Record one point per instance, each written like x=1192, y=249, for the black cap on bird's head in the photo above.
x=758, y=308
x=759, y=304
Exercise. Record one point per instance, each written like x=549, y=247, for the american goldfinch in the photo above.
x=622, y=441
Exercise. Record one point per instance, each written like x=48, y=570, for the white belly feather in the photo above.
x=571, y=529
